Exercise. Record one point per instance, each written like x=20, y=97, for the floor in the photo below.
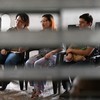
x=13, y=92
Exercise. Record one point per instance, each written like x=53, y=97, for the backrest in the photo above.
x=73, y=27
x=97, y=25
x=95, y=56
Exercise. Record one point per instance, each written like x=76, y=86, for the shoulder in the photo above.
x=11, y=29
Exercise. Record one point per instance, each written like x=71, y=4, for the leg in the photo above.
x=44, y=63
x=26, y=84
x=55, y=85
x=39, y=85
x=21, y=83
x=30, y=62
x=12, y=59
x=64, y=83
x=2, y=61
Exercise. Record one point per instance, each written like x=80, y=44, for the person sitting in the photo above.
x=46, y=57
x=79, y=54
x=14, y=56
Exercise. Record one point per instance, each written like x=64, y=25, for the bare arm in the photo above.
x=86, y=52
x=48, y=55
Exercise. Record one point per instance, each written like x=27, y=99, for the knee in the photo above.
x=39, y=63
x=12, y=59
x=36, y=63
x=8, y=62
x=28, y=64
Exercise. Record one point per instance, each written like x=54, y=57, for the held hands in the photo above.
x=69, y=57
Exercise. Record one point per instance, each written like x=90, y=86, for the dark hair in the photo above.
x=48, y=16
x=24, y=17
x=87, y=17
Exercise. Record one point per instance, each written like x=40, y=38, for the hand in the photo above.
x=48, y=55
x=3, y=52
x=69, y=50
x=69, y=57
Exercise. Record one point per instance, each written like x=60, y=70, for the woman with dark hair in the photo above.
x=22, y=23
x=14, y=56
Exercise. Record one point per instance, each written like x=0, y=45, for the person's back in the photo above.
x=85, y=88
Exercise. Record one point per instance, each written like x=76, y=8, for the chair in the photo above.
x=23, y=58
x=59, y=61
x=72, y=27
x=97, y=25
x=20, y=64
x=57, y=84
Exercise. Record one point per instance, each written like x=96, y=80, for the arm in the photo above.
x=48, y=55
x=69, y=57
x=86, y=52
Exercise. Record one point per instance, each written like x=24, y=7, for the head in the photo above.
x=85, y=21
x=22, y=20
x=81, y=86
x=48, y=22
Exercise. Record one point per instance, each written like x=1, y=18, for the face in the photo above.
x=20, y=24
x=46, y=24
x=83, y=24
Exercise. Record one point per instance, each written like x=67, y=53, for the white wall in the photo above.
x=5, y=22
x=71, y=16
x=35, y=21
